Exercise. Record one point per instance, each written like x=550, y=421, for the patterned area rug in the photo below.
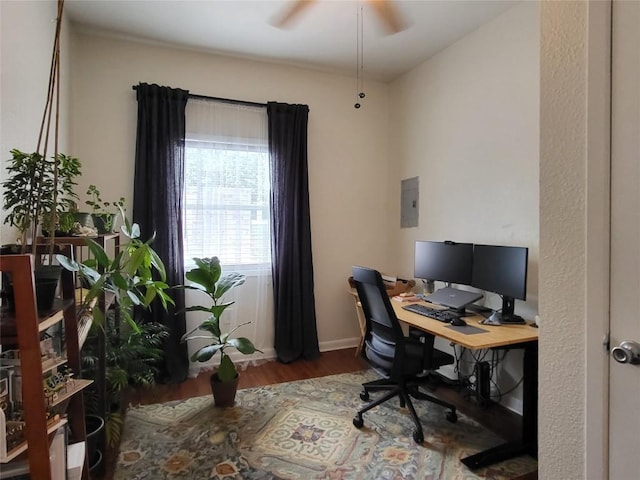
x=302, y=430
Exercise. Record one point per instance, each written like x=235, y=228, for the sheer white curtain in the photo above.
x=227, y=214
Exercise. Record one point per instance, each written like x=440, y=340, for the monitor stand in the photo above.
x=498, y=318
x=506, y=315
x=459, y=311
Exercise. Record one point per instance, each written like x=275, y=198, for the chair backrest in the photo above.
x=384, y=338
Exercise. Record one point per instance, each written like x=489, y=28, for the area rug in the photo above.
x=302, y=430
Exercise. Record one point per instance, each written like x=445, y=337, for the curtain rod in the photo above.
x=218, y=99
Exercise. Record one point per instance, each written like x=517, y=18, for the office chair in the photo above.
x=401, y=359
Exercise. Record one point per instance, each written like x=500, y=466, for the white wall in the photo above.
x=347, y=148
x=466, y=122
x=574, y=243
x=26, y=42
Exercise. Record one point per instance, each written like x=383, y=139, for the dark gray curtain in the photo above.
x=296, y=333
x=157, y=206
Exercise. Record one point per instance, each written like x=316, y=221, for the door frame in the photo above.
x=598, y=229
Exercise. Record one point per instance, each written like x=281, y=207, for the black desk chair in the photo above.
x=401, y=359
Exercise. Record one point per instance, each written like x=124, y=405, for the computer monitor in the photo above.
x=502, y=270
x=448, y=262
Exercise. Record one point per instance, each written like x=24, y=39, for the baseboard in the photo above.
x=449, y=372
x=339, y=344
x=267, y=354
x=513, y=404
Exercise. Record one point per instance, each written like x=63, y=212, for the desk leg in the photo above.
x=529, y=442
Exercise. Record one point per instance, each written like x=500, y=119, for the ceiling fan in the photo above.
x=386, y=11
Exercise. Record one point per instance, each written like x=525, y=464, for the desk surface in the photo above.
x=495, y=335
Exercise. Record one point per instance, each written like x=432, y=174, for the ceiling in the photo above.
x=324, y=36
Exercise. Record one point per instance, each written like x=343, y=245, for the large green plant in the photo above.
x=132, y=279
x=131, y=358
x=207, y=278
x=38, y=189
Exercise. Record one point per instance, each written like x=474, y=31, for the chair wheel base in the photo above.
x=358, y=422
x=452, y=416
x=364, y=395
x=418, y=437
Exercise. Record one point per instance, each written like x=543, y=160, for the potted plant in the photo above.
x=102, y=212
x=67, y=222
x=131, y=359
x=207, y=277
x=132, y=279
x=37, y=190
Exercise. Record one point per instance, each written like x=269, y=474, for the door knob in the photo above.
x=627, y=352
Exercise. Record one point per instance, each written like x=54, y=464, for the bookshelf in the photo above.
x=43, y=414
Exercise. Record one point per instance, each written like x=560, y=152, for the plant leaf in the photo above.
x=205, y=353
x=227, y=282
x=113, y=427
x=67, y=263
x=227, y=370
x=212, y=326
x=156, y=261
x=244, y=345
x=187, y=336
x=98, y=252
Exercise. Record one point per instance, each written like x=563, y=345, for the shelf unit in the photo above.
x=24, y=330
x=52, y=427
x=78, y=250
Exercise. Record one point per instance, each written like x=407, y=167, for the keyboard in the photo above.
x=444, y=316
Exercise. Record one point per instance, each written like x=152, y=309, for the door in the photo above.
x=624, y=420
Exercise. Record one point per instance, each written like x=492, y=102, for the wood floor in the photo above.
x=496, y=418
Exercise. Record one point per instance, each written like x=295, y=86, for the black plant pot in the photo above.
x=224, y=393
x=57, y=233
x=104, y=223
x=84, y=219
x=10, y=249
x=94, y=425
x=95, y=465
x=46, y=279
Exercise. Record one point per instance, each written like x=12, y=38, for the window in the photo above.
x=227, y=186
x=227, y=211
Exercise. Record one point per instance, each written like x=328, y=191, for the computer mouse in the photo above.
x=458, y=322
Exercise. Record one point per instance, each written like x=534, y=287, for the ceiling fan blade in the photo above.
x=389, y=15
x=289, y=14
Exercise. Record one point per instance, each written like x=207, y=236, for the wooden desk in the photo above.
x=495, y=336
x=516, y=336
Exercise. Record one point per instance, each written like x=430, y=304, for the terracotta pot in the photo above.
x=224, y=393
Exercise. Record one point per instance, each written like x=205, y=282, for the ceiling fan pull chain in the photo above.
x=359, y=54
